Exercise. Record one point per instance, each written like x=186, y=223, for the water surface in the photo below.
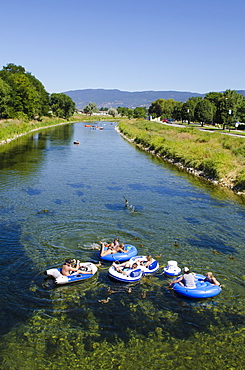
x=58, y=200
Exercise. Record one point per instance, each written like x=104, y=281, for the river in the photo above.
x=58, y=200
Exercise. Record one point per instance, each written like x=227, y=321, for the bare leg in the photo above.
x=102, y=248
x=104, y=252
x=83, y=272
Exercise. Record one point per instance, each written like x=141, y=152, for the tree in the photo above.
x=228, y=105
x=204, y=111
x=24, y=97
x=27, y=94
x=188, y=109
x=241, y=111
x=22, y=93
x=62, y=105
x=125, y=112
x=156, y=108
x=122, y=111
x=214, y=98
x=5, y=98
x=162, y=108
x=12, y=68
x=130, y=113
x=168, y=108
x=42, y=97
x=176, y=114
x=90, y=108
x=140, y=112
x=112, y=112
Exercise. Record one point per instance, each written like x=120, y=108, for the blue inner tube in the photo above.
x=203, y=289
x=120, y=256
x=77, y=277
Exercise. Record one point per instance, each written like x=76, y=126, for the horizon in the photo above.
x=178, y=91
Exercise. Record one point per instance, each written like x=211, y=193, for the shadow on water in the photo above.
x=79, y=193
x=114, y=206
x=32, y=191
x=121, y=207
x=17, y=299
x=192, y=220
x=207, y=242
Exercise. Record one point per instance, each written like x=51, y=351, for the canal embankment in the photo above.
x=218, y=158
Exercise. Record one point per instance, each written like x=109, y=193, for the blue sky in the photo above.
x=130, y=45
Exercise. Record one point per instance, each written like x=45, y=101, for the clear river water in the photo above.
x=58, y=200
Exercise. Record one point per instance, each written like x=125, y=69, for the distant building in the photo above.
x=157, y=119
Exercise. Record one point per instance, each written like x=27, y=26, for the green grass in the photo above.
x=220, y=157
x=9, y=129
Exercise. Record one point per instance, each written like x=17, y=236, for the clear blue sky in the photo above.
x=130, y=45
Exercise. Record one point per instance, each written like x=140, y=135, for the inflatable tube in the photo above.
x=120, y=256
x=172, y=269
x=130, y=276
x=74, y=277
x=203, y=289
x=153, y=267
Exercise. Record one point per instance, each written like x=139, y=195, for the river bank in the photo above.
x=59, y=201
x=198, y=154
x=231, y=179
x=8, y=140
x=12, y=129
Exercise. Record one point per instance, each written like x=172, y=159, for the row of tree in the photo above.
x=222, y=108
x=138, y=112
x=22, y=95
x=215, y=108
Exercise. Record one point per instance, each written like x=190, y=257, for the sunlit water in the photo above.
x=58, y=200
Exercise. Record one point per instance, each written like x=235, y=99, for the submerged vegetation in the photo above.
x=72, y=335
x=148, y=328
x=217, y=157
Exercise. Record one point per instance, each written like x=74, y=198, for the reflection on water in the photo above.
x=59, y=200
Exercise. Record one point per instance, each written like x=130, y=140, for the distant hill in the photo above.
x=117, y=98
x=242, y=92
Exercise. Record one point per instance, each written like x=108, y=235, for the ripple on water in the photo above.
x=175, y=218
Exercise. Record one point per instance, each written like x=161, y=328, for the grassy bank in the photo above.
x=10, y=129
x=217, y=157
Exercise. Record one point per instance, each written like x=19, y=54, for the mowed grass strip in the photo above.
x=220, y=157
